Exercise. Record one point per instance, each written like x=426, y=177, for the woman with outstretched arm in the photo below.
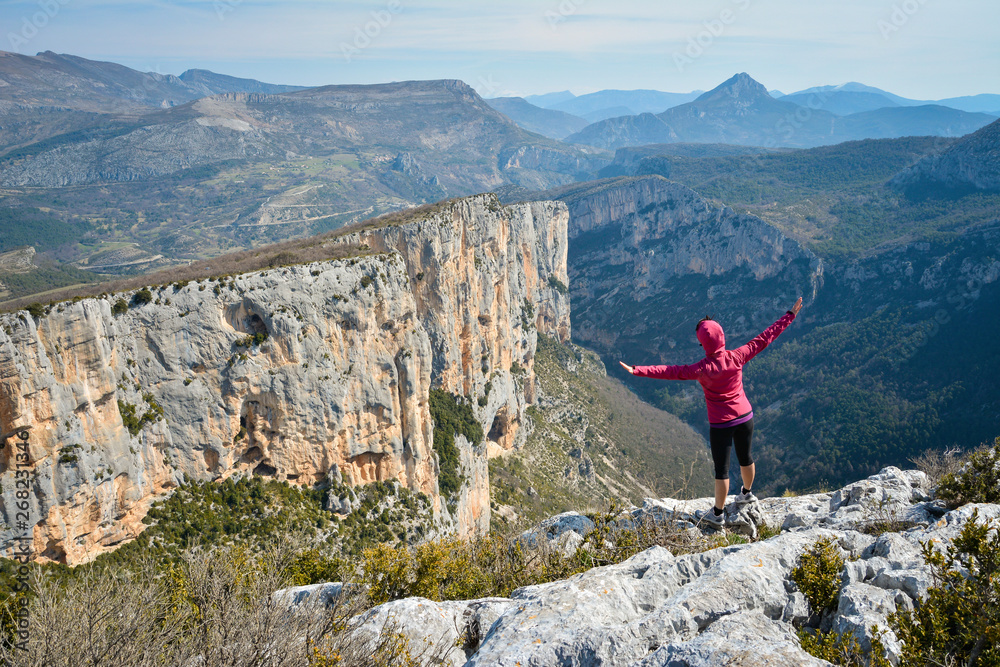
x=730, y=416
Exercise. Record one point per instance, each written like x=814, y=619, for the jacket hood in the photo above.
x=712, y=337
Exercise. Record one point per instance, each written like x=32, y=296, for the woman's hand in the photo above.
x=626, y=367
x=797, y=307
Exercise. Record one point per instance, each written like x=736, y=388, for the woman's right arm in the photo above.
x=689, y=372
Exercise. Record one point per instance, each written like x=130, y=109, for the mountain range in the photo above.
x=654, y=101
x=742, y=111
x=842, y=100
x=93, y=157
x=111, y=170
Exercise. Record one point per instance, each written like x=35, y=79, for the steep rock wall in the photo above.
x=643, y=249
x=339, y=388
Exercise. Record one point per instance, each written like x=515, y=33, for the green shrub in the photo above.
x=959, y=621
x=451, y=415
x=527, y=314
x=843, y=650
x=253, y=340
x=977, y=482
x=312, y=567
x=818, y=575
x=457, y=569
x=131, y=422
x=37, y=310
x=67, y=455
x=558, y=285
x=142, y=297
x=248, y=511
x=135, y=423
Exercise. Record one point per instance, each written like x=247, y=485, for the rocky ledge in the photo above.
x=733, y=605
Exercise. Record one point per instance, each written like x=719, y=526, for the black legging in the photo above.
x=722, y=440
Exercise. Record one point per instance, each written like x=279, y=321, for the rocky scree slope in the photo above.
x=302, y=373
x=731, y=605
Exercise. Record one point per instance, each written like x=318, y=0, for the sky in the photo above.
x=921, y=49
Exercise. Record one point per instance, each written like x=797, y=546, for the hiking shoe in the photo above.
x=708, y=516
x=746, y=498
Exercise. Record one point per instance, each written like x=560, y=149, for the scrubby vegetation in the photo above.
x=199, y=580
x=142, y=297
x=231, y=511
x=212, y=606
x=499, y=563
x=41, y=279
x=978, y=481
x=452, y=415
x=134, y=422
x=558, y=285
x=120, y=307
x=252, y=341
x=30, y=226
x=818, y=575
x=959, y=622
x=843, y=650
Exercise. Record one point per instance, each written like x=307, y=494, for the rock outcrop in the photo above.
x=297, y=373
x=731, y=605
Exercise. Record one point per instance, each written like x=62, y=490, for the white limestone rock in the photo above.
x=731, y=605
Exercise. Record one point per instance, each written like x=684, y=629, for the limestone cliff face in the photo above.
x=339, y=388
x=480, y=276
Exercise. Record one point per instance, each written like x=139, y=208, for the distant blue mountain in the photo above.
x=548, y=100
x=855, y=87
x=612, y=103
x=842, y=103
x=976, y=103
x=842, y=100
x=741, y=111
x=985, y=103
x=547, y=122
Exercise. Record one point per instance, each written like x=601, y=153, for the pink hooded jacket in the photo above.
x=720, y=373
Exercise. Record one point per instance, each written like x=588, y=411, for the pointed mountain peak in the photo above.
x=742, y=87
